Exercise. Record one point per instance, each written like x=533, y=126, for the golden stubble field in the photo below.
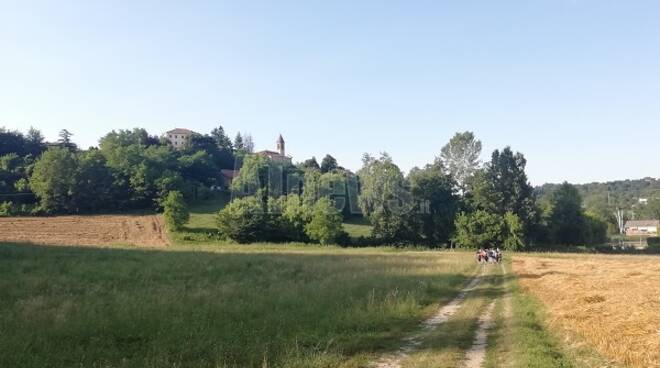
x=612, y=302
x=99, y=230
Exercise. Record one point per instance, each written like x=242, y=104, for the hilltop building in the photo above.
x=178, y=137
x=279, y=155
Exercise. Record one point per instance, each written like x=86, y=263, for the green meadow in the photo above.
x=255, y=306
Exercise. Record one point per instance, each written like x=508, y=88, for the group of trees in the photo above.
x=129, y=170
x=455, y=199
x=278, y=201
x=616, y=200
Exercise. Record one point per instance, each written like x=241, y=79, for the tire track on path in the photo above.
x=476, y=356
x=412, y=343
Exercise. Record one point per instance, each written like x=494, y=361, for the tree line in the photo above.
x=129, y=170
x=453, y=200
x=456, y=199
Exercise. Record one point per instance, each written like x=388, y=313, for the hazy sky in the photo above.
x=574, y=85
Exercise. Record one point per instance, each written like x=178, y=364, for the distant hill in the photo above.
x=602, y=198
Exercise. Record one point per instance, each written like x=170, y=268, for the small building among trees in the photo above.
x=642, y=227
x=178, y=137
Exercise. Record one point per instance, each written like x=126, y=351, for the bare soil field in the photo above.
x=611, y=302
x=146, y=231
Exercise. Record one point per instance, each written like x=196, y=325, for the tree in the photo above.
x=221, y=139
x=244, y=220
x=35, y=142
x=253, y=177
x=482, y=229
x=65, y=139
x=325, y=225
x=175, y=211
x=461, y=157
x=93, y=189
x=53, y=180
x=296, y=216
x=433, y=192
x=239, y=146
x=595, y=229
x=311, y=164
x=328, y=164
x=222, y=159
x=248, y=143
x=384, y=198
x=22, y=145
x=502, y=187
x=199, y=167
x=651, y=210
x=479, y=229
x=513, y=236
x=567, y=223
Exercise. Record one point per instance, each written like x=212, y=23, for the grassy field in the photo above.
x=235, y=307
x=258, y=306
x=357, y=227
x=202, y=302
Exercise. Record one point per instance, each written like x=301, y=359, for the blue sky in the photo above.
x=574, y=85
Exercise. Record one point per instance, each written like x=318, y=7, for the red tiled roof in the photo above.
x=230, y=174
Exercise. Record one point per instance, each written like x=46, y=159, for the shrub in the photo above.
x=653, y=242
x=244, y=220
x=176, y=212
x=295, y=216
x=6, y=209
x=480, y=229
x=325, y=225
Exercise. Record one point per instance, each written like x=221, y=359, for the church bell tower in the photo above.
x=280, y=146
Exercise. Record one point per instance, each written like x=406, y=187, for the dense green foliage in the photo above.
x=129, y=170
x=384, y=198
x=502, y=187
x=175, y=211
x=450, y=199
x=483, y=229
x=433, y=193
x=603, y=200
x=325, y=225
x=328, y=164
x=244, y=220
x=568, y=223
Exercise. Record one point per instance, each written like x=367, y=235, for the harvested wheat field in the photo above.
x=612, y=302
x=147, y=231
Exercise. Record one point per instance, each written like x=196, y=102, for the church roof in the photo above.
x=272, y=154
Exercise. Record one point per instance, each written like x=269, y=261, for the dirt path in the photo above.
x=477, y=354
x=411, y=344
x=144, y=231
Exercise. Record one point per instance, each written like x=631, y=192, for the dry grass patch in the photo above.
x=147, y=231
x=612, y=302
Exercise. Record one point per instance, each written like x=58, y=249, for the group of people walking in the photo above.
x=490, y=255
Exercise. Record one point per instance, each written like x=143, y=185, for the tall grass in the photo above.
x=255, y=306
